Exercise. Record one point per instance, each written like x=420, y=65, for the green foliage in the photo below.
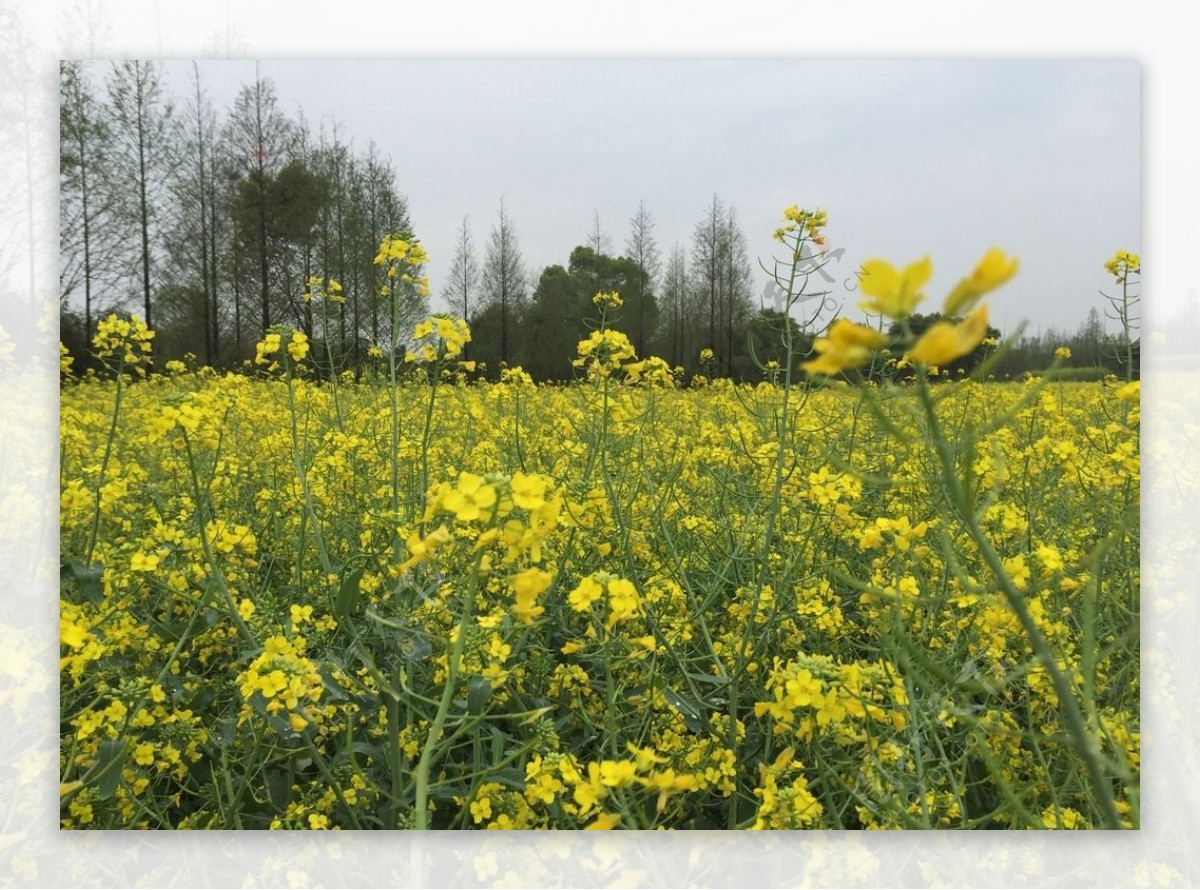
x=1090, y=374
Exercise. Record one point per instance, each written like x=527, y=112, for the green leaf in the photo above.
x=692, y=714
x=279, y=790
x=346, y=602
x=479, y=690
x=710, y=679
x=510, y=777
x=85, y=576
x=108, y=767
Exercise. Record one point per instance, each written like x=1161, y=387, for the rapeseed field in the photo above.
x=418, y=598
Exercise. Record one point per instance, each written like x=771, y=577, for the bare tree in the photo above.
x=141, y=119
x=504, y=281
x=735, y=284
x=191, y=246
x=261, y=138
x=597, y=238
x=642, y=249
x=87, y=247
x=463, y=280
x=708, y=246
x=675, y=291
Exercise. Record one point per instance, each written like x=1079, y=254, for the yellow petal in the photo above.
x=918, y=273
x=992, y=271
x=945, y=341
x=604, y=822
x=848, y=333
x=879, y=279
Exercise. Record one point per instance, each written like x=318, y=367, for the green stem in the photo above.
x=425, y=436
x=230, y=604
x=432, y=746
x=1069, y=707
x=108, y=447
x=302, y=478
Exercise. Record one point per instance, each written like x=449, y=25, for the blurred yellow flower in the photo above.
x=894, y=292
x=945, y=341
x=847, y=346
x=992, y=271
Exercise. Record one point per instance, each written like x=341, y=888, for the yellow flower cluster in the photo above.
x=128, y=340
x=1123, y=264
x=811, y=692
x=284, y=679
x=808, y=223
x=848, y=345
x=654, y=371
x=601, y=780
x=786, y=802
x=623, y=599
x=489, y=504
x=278, y=340
x=439, y=337
x=402, y=255
x=894, y=293
x=603, y=352
x=328, y=289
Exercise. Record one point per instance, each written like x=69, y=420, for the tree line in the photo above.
x=209, y=224
x=695, y=300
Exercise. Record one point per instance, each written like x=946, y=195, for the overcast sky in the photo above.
x=1039, y=158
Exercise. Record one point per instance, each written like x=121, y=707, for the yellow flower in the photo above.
x=893, y=292
x=992, y=271
x=946, y=341
x=604, y=822
x=617, y=773
x=585, y=594
x=269, y=345
x=419, y=548
x=528, y=492
x=528, y=586
x=847, y=346
x=623, y=602
x=472, y=499
x=1122, y=263
x=298, y=346
x=143, y=562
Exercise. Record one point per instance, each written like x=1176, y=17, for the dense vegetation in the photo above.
x=409, y=598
